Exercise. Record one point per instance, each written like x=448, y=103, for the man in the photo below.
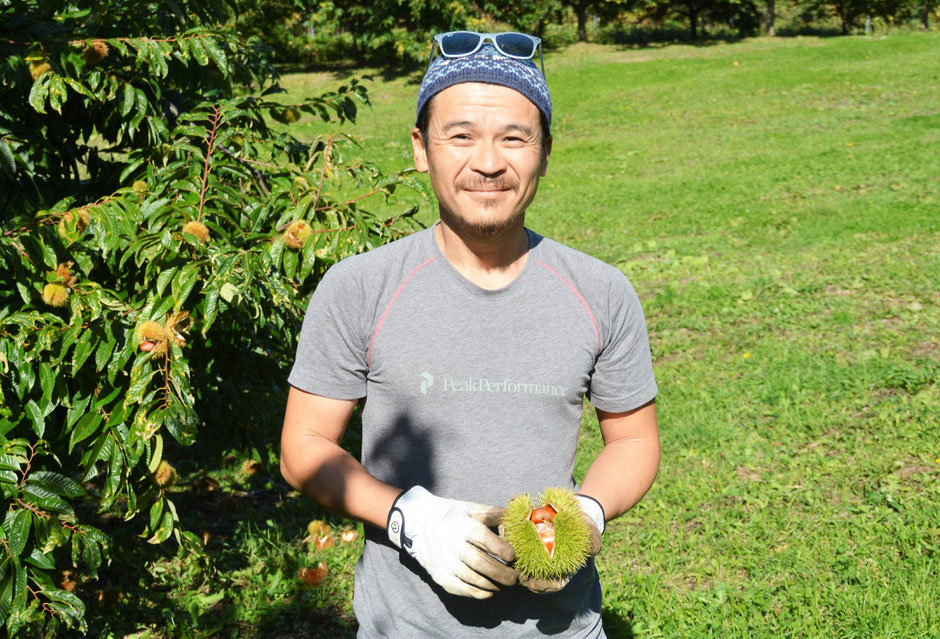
x=471, y=346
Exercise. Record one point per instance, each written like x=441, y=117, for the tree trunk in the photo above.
x=771, y=17
x=693, y=22
x=539, y=28
x=580, y=10
x=925, y=16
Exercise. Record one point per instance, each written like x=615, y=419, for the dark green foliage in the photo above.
x=152, y=294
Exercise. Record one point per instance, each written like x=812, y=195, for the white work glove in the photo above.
x=593, y=514
x=452, y=541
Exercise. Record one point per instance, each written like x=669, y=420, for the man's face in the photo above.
x=484, y=155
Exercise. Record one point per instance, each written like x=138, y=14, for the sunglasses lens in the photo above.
x=459, y=43
x=516, y=44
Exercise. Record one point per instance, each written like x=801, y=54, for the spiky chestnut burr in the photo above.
x=571, y=535
x=297, y=233
x=55, y=295
x=200, y=230
x=152, y=337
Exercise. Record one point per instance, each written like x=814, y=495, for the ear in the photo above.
x=421, y=153
x=546, y=151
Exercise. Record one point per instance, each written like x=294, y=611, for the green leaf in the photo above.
x=164, y=530
x=67, y=605
x=182, y=424
x=46, y=499
x=290, y=263
x=83, y=349
x=85, y=428
x=127, y=103
x=103, y=353
x=35, y=414
x=56, y=483
x=38, y=93
x=130, y=168
x=183, y=284
x=6, y=592
x=40, y=560
x=217, y=55
x=157, y=453
x=7, y=161
x=76, y=410
x=47, y=378
x=11, y=462
x=58, y=93
x=156, y=514
x=165, y=278
x=139, y=386
x=212, y=309
x=16, y=527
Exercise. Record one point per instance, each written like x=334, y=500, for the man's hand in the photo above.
x=452, y=541
x=593, y=514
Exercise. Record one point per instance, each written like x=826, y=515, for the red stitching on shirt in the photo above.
x=389, y=307
x=573, y=290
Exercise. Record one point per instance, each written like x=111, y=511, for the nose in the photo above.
x=487, y=159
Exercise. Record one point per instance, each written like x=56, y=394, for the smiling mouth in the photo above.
x=488, y=193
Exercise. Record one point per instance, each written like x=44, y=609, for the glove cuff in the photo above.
x=593, y=509
x=405, y=502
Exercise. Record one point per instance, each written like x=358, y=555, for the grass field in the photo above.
x=776, y=204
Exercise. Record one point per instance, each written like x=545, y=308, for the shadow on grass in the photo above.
x=345, y=69
x=615, y=626
x=243, y=583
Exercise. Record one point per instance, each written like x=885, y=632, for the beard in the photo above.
x=486, y=227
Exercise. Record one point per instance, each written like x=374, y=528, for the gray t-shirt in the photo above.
x=475, y=395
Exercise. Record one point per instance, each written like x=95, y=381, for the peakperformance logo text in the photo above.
x=482, y=385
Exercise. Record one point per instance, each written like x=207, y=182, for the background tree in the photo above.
x=159, y=242
x=741, y=15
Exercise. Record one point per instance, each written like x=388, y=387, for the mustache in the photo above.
x=488, y=184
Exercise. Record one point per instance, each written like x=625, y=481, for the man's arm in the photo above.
x=450, y=539
x=625, y=469
x=313, y=462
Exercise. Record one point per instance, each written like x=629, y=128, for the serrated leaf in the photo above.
x=35, y=414
x=47, y=377
x=11, y=462
x=103, y=353
x=129, y=170
x=83, y=349
x=127, y=102
x=217, y=55
x=6, y=593
x=46, y=499
x=290, y=263
x=157, y=453
x=40, y=560
x=18, y=530
x=76, y=410
x=212, y=309
x=183, y=284
x=57, y=483
x=156, y=514
x=164, y=530
x=165, y=278
x=138, y=387
x=68, y=605
x=182, y=424
x=7, y=161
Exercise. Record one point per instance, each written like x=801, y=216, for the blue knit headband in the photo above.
x=487, y=65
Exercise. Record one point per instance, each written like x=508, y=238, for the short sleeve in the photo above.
x=623, y=372
x=331, y=358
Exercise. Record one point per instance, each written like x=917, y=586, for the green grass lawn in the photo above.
x=776, y=204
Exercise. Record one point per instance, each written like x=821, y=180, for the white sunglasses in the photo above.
x=458, y=44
